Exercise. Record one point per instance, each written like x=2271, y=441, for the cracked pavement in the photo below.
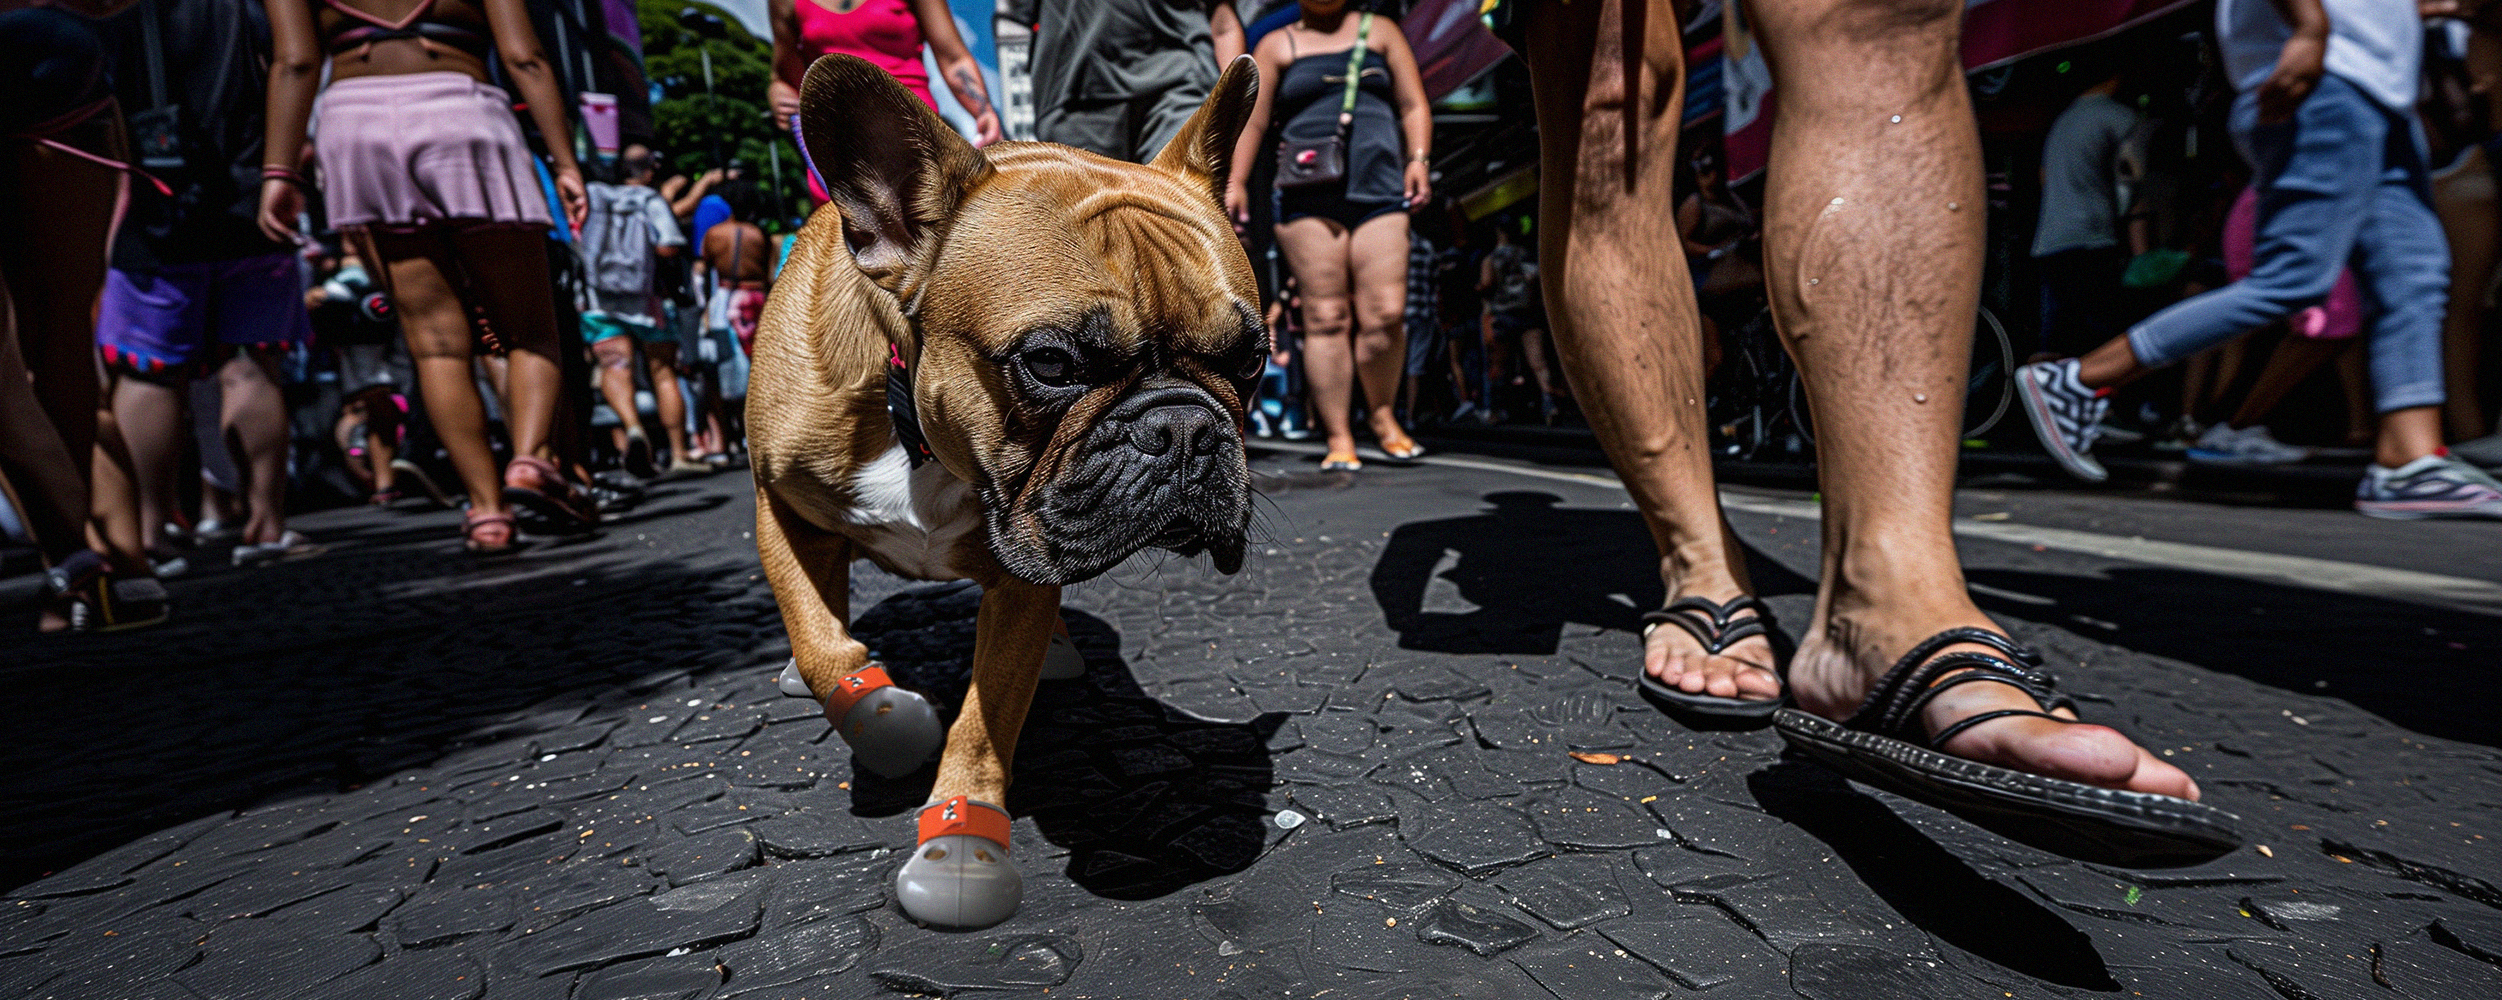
x=1398, y=756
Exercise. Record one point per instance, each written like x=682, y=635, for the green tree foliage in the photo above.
x=733, y=119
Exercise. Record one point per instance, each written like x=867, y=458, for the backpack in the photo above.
x=1515, y=280
x=617, y=240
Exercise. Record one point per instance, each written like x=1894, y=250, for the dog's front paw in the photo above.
x=891, y=731
x=959, y=876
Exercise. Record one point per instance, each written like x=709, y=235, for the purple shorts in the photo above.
x=187, y=316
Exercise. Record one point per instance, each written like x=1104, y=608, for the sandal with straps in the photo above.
x=1714, y=624
x=488, y=534
x=1885, y=745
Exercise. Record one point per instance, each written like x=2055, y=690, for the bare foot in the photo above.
x=1841, y=660
x=1744, y=669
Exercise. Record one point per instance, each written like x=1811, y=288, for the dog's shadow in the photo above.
x=1146, y=798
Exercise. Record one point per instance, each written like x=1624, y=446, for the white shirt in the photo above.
x=2376, y=45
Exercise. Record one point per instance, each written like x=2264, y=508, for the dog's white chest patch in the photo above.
x=910, y=520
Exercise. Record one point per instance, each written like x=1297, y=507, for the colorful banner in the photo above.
x=1452, y=46
x=1994, y=32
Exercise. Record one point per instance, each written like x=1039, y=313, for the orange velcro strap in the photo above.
x=963, y=815
x=852, y=687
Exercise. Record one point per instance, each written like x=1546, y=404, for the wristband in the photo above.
x=278, y=173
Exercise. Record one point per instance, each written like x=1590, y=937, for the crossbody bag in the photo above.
x=1306, y=162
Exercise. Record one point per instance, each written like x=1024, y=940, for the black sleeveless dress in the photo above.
x=1376, y=182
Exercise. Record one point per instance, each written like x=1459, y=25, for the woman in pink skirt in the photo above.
x=423, y=163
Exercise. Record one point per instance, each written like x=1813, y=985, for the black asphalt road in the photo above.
x=387, y=770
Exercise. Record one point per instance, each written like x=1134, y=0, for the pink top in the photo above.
x=2339, y=317
x=884, y=32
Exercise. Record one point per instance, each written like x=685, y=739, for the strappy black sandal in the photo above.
x=1884, y=745
x=1714, y=626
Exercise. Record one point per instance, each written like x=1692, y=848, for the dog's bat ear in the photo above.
x=1204, y=148
x=895, y=171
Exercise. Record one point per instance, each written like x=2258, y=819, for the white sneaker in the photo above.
x=2066, y=415
x=2222, y=445
x=289, y=543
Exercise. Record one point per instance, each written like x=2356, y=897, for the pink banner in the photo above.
x=1994, y=32
x=1451, y=45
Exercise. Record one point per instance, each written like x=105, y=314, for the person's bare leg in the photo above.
x=113, y=499
x=382, y=440
x=64, y=207
x=1609, y=85
x=1377, y=254
x=2464, y=198
x=1873, y=243
x=43, y=481
x=2407, y=435
x=153, y=426
x=62, y=214
x=2354, y=380
x=1316, y=250
x=661, y=361
x=2197, y=374
x=2293, y=360
x=614, y=357
x=1533, y=353
x=508, y=272
x=253, y=413
x=436, y=327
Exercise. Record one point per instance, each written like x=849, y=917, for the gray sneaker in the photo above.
x=2429, y=487
x=2066, y=415
x=2253, y=445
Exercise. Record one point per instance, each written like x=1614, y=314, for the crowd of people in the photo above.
x=2151, y=256
x=269, y=261
x=339, y=264
x=333, y=208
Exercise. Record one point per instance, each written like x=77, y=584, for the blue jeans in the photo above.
x=2343, y=183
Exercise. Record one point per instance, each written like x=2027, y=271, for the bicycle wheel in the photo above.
x=1991, y=388
x=1987, y=392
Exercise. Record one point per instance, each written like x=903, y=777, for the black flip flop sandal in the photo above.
x=1711, y=624
x=1883, y=746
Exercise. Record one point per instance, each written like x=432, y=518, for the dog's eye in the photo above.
x=1051, y=366
x=1254, y=362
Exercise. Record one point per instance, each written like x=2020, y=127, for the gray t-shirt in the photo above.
x=2080, y=197
x=1113, y=50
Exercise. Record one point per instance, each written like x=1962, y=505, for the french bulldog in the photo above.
x=1017, y=365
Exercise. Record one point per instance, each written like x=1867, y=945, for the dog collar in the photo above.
x=900, y=411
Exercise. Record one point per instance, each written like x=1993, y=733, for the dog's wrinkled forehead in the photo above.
x=1056, y=237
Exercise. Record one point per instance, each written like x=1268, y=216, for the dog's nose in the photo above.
x=1181, y=433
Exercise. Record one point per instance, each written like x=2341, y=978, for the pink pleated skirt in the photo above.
x=424, y=149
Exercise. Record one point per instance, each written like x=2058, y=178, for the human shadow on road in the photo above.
x=310, y=677
x=1925, y=883
x=2427, y=669
x=1530, y=567
x=1147, y=798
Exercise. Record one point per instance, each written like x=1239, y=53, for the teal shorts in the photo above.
x=597, y=327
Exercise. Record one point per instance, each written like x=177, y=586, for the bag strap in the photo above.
x=1355, y=70
x=155, y=44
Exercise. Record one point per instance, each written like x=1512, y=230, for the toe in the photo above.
x=2079, y=752
x=2158, y=776
x=1757, y=682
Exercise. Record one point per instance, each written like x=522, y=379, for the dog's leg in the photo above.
x=959, y=875
x=891, y=731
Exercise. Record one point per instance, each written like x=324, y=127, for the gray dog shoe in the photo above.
x=959, y=876
x=1062, y=661
x=891, y=731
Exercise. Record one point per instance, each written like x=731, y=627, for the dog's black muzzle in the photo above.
x=1163, y=468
